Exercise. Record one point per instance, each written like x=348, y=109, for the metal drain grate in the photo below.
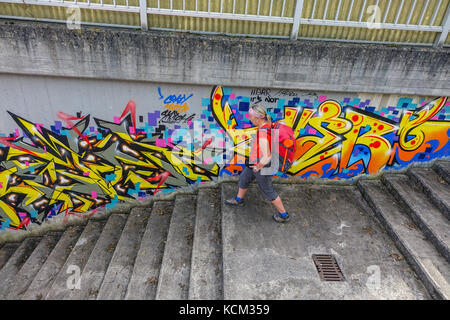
x=327, y=267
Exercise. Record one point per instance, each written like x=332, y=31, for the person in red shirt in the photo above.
x=260, y=157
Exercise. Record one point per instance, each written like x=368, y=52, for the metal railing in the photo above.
x=333, y=14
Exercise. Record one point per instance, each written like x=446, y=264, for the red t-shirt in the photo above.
x=255, y=153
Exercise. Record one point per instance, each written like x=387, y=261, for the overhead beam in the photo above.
x=297, y=17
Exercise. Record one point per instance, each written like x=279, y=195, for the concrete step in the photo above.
x=442, y=167
x=173, y=283
x=144, y=279
x=263, y=259
x=206, y=279
x=437, y=190
x=7, y=251
x=66, y=279
x=15, y=263
x=95, y=269
x=32, y=266
x=424, y=214
x=120, y=269
x=43, y=281
x=427, y=262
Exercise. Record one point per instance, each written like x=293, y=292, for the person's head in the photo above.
x=258, y=115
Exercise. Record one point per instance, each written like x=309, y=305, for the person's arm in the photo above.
x=266, y=154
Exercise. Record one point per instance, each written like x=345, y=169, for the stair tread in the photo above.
x=175, y=268
x=78, y=258
x=263, y=259
x=7, y=251
x=176, y=249
x=206, y=267
x=33, y=264
x=443, y=168
x=147, y=265
x=120, y=268
x=435, y=266
x=15, y=263
x=95, y=269
x=42, y=282
x=435, y=187
x=424, y=213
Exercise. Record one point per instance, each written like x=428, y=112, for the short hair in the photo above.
x=260, y=110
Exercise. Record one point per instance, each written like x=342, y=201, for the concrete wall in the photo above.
x=95, y=118
x=40, y=98
x=203, y=60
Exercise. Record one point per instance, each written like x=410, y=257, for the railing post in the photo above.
x=297, y=16
x=143, y=13
x=440, y=38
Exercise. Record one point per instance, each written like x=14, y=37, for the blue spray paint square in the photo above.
x=403, y=102
x=6, y=223
x=205, y=102
x=244, y=106
x=110, y=177
x=227, y=91
x=113, y=203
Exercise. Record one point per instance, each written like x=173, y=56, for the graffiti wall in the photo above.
x=95, y=158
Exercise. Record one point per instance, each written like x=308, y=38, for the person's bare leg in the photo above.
x=278, y=204
x=241, y=193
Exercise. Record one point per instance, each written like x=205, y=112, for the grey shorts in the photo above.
x=264, y=182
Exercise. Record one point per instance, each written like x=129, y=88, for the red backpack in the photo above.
x=286, y=145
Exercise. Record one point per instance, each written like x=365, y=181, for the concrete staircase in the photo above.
x=414, y=209
x=390, y=237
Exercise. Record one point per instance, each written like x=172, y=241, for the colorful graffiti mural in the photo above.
x=70, y=172
x=335, y=141
x=76, y=168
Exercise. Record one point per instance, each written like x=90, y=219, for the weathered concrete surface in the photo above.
x=273, y=261
x=434, y=224
x=432, y=268
x=43, y=281
x=147, y=265
x=54, y=50
x=120, y=269
x=173, y=283
x=434, y=187
x=369, y=227
x=33, y=264
x=15, y=263
x=95, y=269
x=6, y=251
x=443, y=169
x=206, y=280
x=78, y=257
